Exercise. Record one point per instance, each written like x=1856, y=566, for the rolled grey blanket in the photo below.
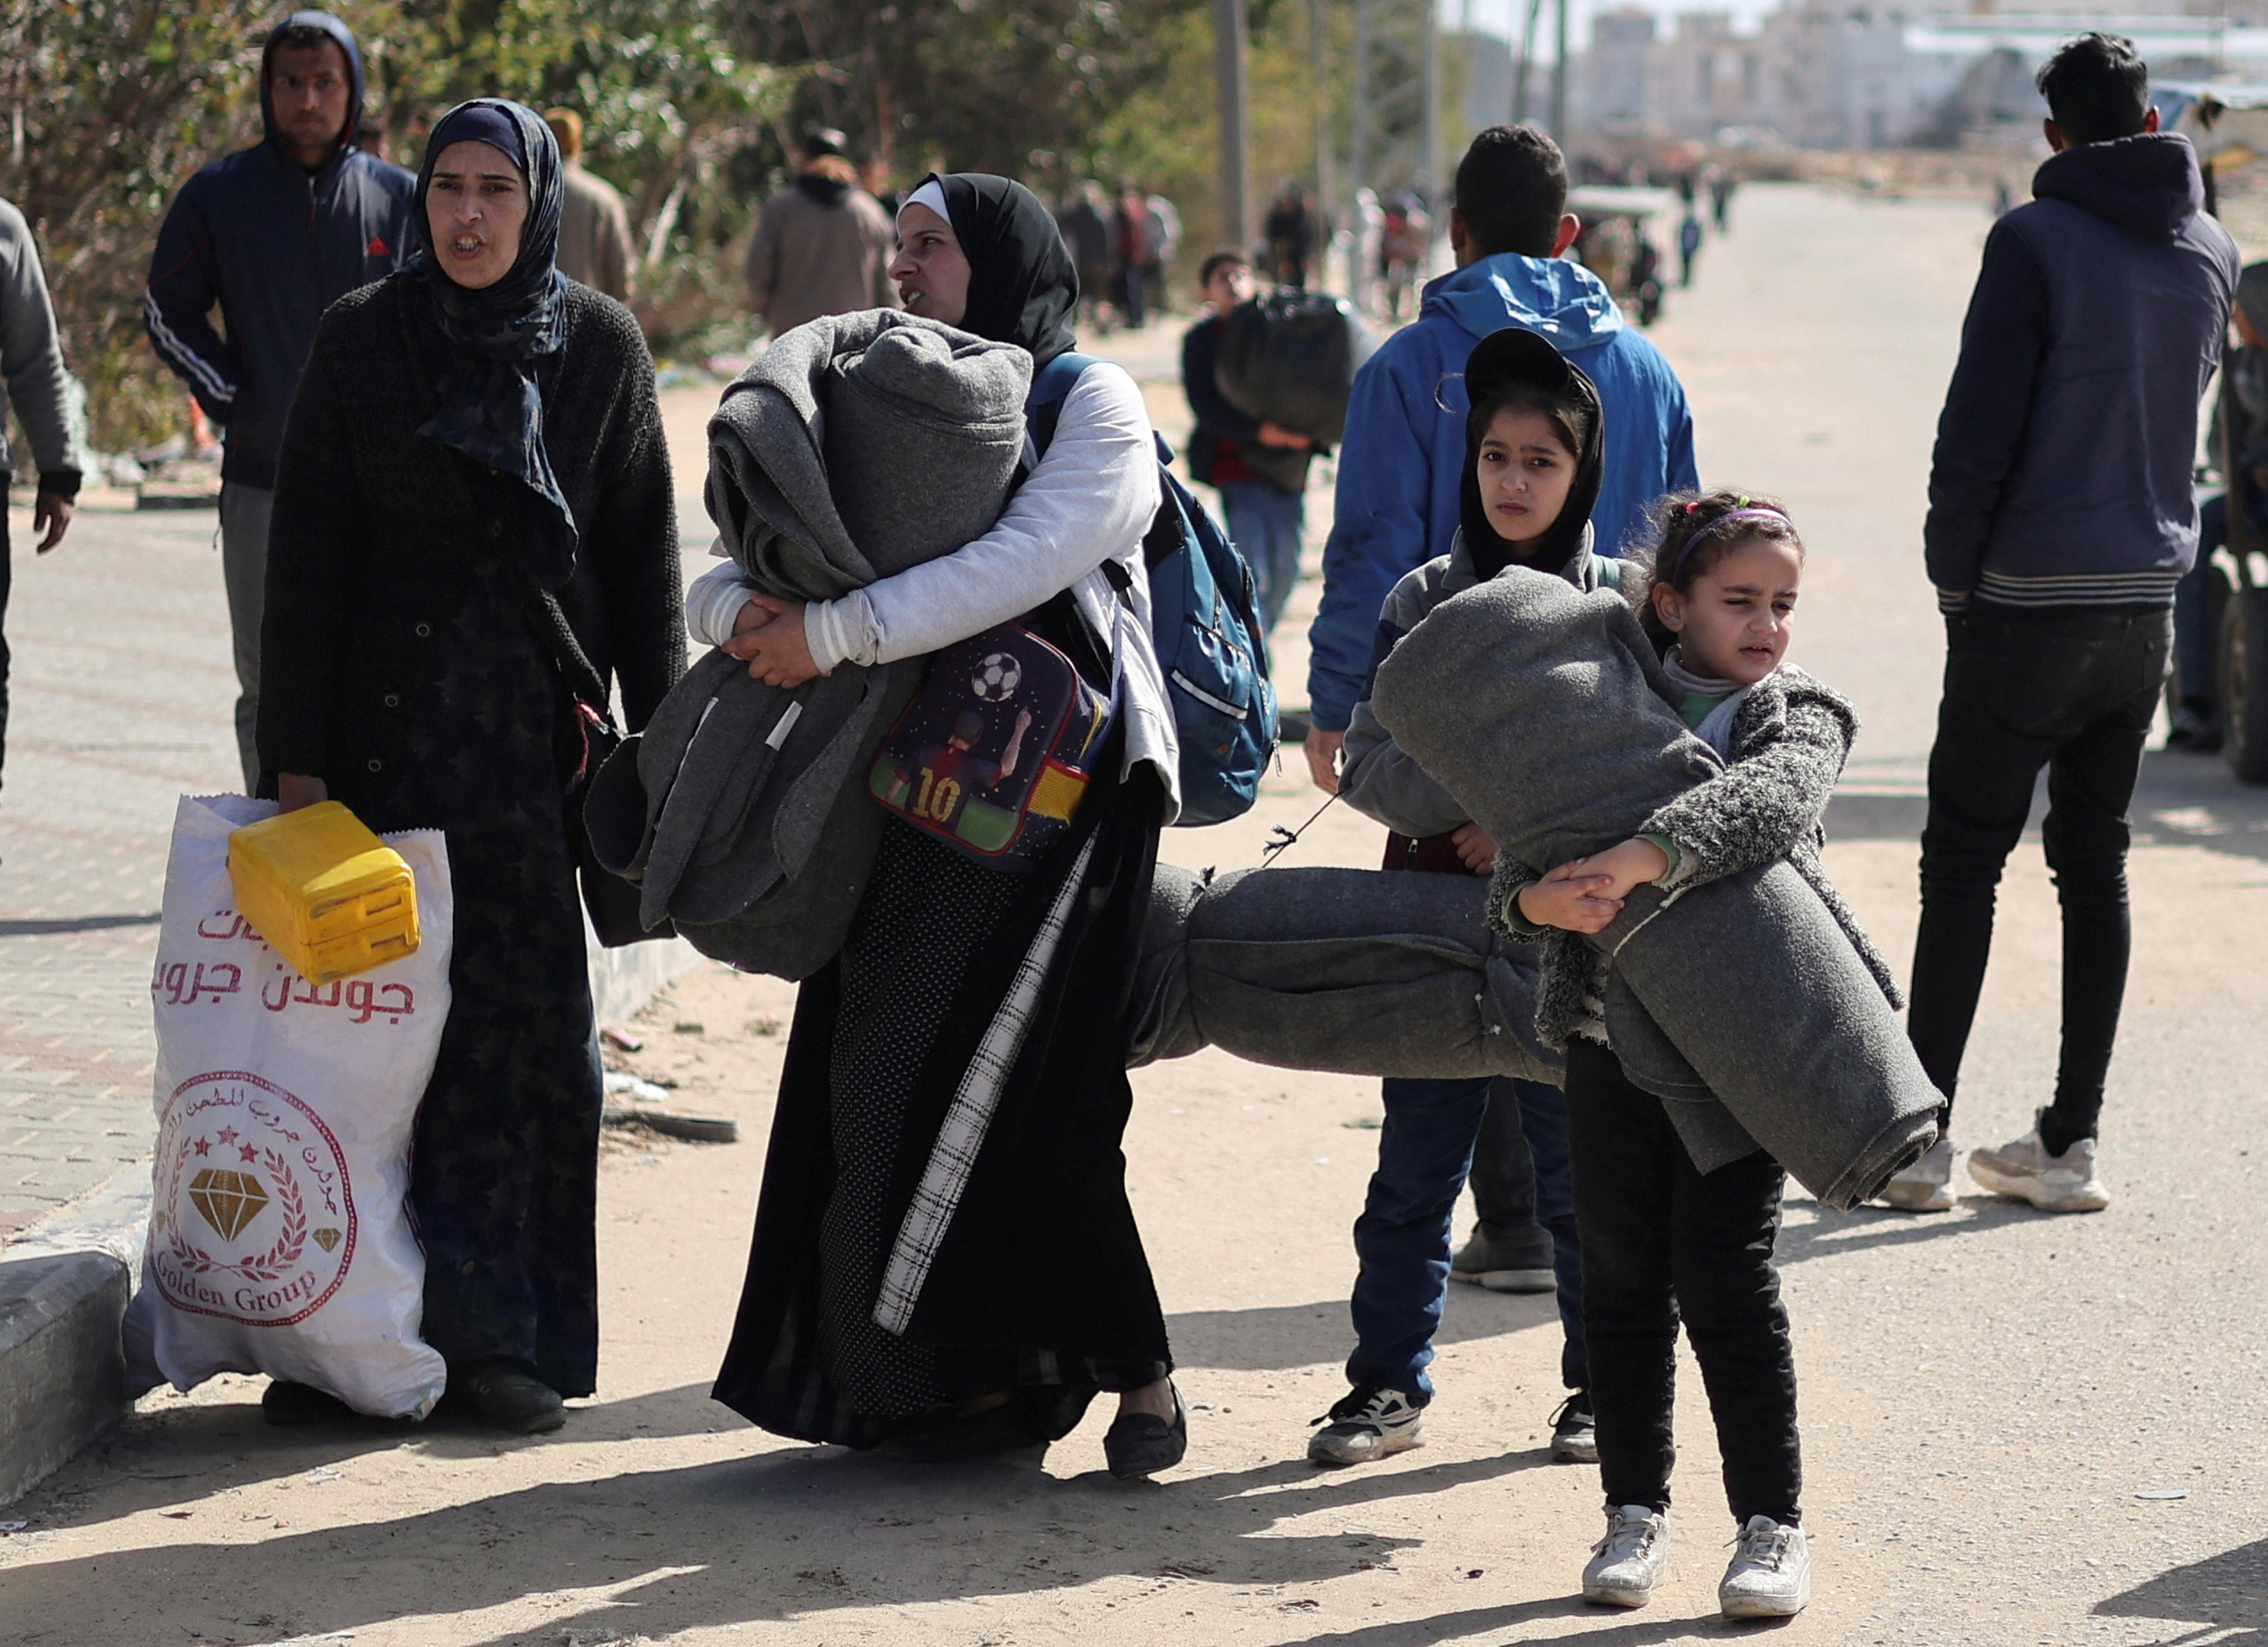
x=1542, y=709
x=1355, y=970
x=856, y=445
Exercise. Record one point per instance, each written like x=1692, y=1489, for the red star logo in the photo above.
x=247, y=1152
x=377, y=247
x=228, y=1134
x=205, y=1145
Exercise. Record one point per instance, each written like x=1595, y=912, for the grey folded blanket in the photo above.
x=855, y=447
x=1357, y=971
x=1544, y=711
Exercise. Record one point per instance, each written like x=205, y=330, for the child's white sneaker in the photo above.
x=2054, y=1184
x=1927, y=1186
x=1771, y=1574
x=1631, y=1560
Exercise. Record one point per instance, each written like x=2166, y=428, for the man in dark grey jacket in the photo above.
x=2060, y=518
x=33, y=380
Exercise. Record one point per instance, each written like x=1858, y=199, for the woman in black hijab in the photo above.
x=945, y=1255
x=474, y=542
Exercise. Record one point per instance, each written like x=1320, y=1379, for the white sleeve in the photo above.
x=1090, y=499
x=713, y=600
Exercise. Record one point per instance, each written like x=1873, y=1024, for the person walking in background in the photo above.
x=475, y=539
x=1162, y=240
x=1722, y=181
x=1260, y=470
x=1289, y=232
x=1402, y=248
x=1689, y=244
x=33, y=382
x=1085, y=222
x=822, y=246
x=273, y=235
x=2061, y=517
x=594, y=226
x=1130, y=240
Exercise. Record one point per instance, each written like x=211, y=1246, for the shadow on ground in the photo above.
x=2228, y=1592
x=763, y=1538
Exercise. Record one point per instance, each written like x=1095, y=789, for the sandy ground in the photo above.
x=1985, y=1394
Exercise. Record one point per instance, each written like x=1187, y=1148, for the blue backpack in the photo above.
x=1206, y=623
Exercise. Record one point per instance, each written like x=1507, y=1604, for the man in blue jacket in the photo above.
x=1398, y=508
x=273, y=234
x=2060, y=518
x=1405, y=429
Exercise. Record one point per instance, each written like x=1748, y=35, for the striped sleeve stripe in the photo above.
x=188, y=361
x=2122, y=588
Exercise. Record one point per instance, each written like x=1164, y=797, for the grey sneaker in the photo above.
x=1370, y=1422
x=1520, y=1262
x=1575, y=1432
x=1927, y=1186
x=1771, y=1573
x=2054, y=1184
x=1631, y=1560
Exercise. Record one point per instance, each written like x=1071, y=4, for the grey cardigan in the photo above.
x=1790, y=737
x=32, y=361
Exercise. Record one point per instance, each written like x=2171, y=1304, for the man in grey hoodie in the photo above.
x=35, y=384
x=2060, y=518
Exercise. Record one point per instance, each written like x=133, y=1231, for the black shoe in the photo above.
x=298, y=1405
x=1575, y=1432
x=506, y=1396
x=1139, y=1444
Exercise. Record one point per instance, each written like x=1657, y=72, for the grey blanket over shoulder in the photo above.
x=855, y=447
x=1544, y=711
x=1355, y=971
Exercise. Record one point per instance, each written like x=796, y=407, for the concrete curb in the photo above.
x=63, y=1288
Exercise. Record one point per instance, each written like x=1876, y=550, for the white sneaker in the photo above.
x=1927, y=1186
x=1369, y=1423
x=1631, y=1560
x=2054, y=1184
x=1771, y=1574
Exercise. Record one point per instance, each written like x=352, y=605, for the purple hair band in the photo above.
x=1722, y=521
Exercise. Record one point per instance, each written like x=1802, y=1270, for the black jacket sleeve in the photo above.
x=176, y=310
x=315, y=542
x=1216, y=419
x=1983, y=424
x=632, y=542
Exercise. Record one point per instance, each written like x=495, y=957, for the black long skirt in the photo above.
x=943, y=1207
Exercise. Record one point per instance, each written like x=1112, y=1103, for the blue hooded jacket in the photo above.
x=274, y=245
x=1400, y=462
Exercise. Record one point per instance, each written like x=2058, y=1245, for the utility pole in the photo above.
x=1432, y=157
x=1231, y=42
x=1327, y=205
x=1357, y=266
x=1559, y=81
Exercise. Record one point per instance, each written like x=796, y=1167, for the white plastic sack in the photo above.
x=279, y=1231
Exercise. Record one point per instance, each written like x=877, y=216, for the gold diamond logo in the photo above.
x=229, y=1200
x=327, y=1239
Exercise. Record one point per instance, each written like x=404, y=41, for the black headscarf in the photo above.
x=1023, y=288
x=1522, y=363
x=492, y=405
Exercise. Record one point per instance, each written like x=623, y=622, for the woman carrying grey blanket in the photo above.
x=944, y=1252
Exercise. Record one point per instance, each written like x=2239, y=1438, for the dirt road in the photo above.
x=1985, y=1394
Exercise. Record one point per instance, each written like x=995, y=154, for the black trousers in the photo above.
x=1661, y=1243
x=2074, y=690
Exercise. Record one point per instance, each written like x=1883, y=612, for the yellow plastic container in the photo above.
x=326, y=893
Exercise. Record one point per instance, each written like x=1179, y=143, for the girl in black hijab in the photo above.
x=1512, y=370
x=474, y=538
x=945, y=1255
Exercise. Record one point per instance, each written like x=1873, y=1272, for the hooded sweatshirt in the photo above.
x=1403, y=452
x=2062, y=475
x=274, y=245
